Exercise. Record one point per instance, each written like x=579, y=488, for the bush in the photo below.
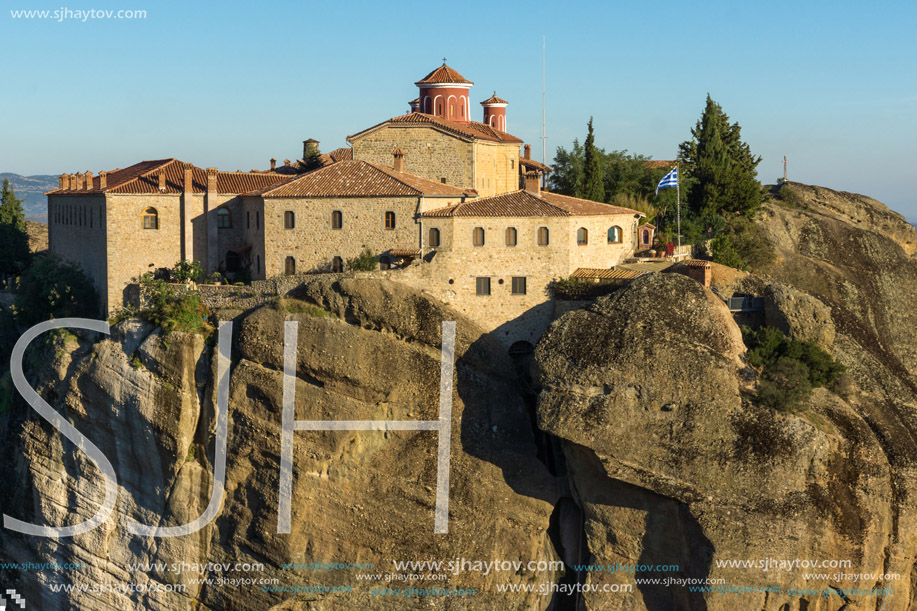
x=297, y=306
x=175, y=310
x=783, y=360
x=54, y=288
x=785, y=384
x=366, y=261
x=187, y=270
x=574, y=289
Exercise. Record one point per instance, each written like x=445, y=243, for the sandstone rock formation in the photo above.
x=360, y=497
x=799, y=315
x=674, y=464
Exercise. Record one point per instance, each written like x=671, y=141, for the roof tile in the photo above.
x=472, y=129
x=443, y=74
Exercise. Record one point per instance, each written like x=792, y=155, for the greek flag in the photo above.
x=669, y=180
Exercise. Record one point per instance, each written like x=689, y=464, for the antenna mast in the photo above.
x=544, y=133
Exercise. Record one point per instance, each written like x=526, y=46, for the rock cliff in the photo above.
x=358, y=496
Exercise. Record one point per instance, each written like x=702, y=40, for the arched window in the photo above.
x=289, y=266
x=452, y=109
x=433, y=239
x=337, y=265
x=477, y=236
x=582, y=236
x=614, y=235
x=510, y=236
x=389, y=220
x=150, y=219
x=337, y=219
x=543, y=236
x=289, y=220
x=646, y=236
x=224, y=218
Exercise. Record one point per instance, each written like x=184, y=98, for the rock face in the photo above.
x=674, y=465
x=358, y=496
x=799, y=315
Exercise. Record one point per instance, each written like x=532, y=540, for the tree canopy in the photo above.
x=721, y=167
x=593, y=172
x=14, y=241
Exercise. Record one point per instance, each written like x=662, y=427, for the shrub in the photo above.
x=297, y=306
x=175, y=310
x=54, y=288
x=366, y=261
x=790, y=368
x=785, y=384
x=187, y=270
x=573, y=289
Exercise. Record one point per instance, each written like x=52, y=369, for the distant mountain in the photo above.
x=32, y=189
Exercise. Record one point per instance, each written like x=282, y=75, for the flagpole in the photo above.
x=678, y=203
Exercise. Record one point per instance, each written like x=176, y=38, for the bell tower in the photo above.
x=495, y=112
x=444, y=93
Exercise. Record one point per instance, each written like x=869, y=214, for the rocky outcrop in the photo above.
x=799, y=315
x=147, y=401
x=675, y=465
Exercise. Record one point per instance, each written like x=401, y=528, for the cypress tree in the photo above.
x=721, y=167
x=11, y=208
x=593, y=176
x=14, y=241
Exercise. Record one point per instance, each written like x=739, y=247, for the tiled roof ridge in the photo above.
x=472, y=129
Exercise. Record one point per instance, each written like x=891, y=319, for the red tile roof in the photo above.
x=345, y=153
x=471, y=130
x=443, y=74
x=531, y=163
x=494, y=100
x=523, y=203
x=359, y=179
x=607, y=274
x=143, y=178
x=404, y=252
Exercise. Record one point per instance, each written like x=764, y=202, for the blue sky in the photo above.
x=833, y=86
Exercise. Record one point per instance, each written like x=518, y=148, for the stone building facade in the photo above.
x=498, y=256
x=451, y=205
x=121, y=224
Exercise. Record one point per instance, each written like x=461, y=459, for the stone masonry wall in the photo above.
x=313, y=243
x=76, y=231
x=429, y=153
x=496, y=168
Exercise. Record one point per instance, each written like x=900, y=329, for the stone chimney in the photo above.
x=103, y=180
x=211, y=181
x=63, y=182
x=309, y=147
x=162, y=180
x=286, y=162
x=187, y=178
x=89, y=180
x=399, y=160
x=273, y=164
x=528, y=151
x=79, y=181
x=533, y=182
x=73, y=182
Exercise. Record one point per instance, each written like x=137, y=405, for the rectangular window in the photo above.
x=518, y=285
x=482, y=285
x=289, y=220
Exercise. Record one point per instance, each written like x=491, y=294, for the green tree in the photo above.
x=14, y=249
x=14, y=241
x=568, y=169
x=54, y=288
x=593, y=186
x=11, y=212
x=312, y=161
x=721, y=167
